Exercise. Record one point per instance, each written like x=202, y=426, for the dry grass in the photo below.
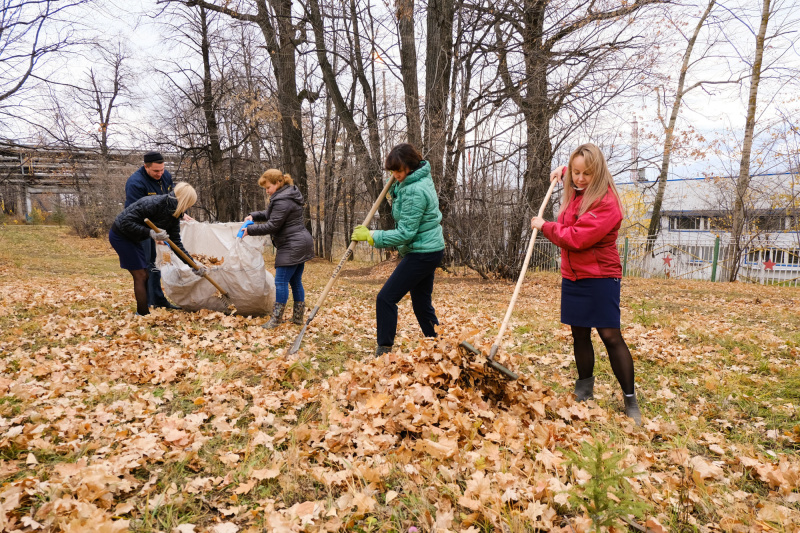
x=202, y=419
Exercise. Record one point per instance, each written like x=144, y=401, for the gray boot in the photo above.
x=584, y=389
x=298, y=311
x=276, y=318
x=632, y=408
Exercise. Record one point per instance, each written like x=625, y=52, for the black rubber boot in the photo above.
x=298, y=311
x=380, y=350
x=632, y=408
x=276, y=318
x=584, y=389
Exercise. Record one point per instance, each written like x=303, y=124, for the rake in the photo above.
x=490, y=359
x=347, y=254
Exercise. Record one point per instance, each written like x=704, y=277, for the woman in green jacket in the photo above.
x=419, y=239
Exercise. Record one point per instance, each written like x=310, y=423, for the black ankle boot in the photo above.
x=380, y=350
x=584, y=389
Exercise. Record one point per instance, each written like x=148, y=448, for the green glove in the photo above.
x=362, y=233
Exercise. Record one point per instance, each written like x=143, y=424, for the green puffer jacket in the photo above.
x=415, y=209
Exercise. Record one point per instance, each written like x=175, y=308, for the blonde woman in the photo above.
x=586, y=231
x=129, y=233
x=283, y=221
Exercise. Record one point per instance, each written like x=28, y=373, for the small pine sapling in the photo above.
x=607, y=497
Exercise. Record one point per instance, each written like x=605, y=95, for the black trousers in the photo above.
x=155, y=295
x=414, y=274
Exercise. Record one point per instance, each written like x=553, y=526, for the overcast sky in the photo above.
x=717, y=113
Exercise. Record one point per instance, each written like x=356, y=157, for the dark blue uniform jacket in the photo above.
x=140, y=184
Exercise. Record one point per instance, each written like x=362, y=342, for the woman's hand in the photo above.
x=249, y=218
x=537, y=223
x=558, y=174
x=187, y=218
x=244, y=232
x=362, y=233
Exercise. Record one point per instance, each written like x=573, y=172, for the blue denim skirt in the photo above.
x=590, y=303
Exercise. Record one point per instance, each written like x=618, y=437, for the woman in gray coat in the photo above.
x=283, y=221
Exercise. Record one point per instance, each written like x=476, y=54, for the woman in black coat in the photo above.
x=129, y=232
x=283, y=221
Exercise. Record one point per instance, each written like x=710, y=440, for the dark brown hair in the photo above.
x=403, y=157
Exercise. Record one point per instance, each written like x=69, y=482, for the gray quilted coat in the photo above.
x=283, y=220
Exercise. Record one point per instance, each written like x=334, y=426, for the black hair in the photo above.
x=403, y=157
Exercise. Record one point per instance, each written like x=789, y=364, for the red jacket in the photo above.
x=588, y=243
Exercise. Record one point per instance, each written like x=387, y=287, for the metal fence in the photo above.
x=767, y=264
x=668, y=259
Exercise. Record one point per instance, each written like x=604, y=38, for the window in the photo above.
x=681, y=223
x=768, y=223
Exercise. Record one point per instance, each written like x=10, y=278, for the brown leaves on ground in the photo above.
x=202, y=422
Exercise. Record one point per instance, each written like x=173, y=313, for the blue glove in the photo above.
x=244, y=226
x=362, y=233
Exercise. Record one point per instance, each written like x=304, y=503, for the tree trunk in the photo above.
x=669, y=131
x=743, y=180
x=408, y=70
x=438, y=66
x=220, y=187
x=289, y=104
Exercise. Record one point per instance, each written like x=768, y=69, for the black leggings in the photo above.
x=618, y=354
x=140, y=290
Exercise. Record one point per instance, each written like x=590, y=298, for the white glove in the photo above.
x=158, y=235
x=200, y=271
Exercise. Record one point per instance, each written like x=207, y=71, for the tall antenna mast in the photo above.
x=635, y=151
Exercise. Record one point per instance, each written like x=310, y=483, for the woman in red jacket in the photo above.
x=586, y=231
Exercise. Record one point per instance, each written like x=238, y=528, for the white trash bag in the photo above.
x=242, y=273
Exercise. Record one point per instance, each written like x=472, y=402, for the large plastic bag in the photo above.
x=242, y=274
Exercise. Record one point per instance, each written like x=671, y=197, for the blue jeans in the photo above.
x=414, y=274
x=289, y=275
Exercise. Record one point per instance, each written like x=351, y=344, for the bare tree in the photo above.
x=669, y=125
x=558, y=59
x=25, y=40
x=438, y=67
x=105, y=91
x=367, y=155
x=768, y=12
x=282, y=34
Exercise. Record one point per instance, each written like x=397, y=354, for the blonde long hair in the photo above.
x=186, y=196
x=273, y=176
x=596, y=164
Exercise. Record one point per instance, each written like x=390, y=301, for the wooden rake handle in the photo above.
x=186, y=258
x=504, y=325
x=350, y=249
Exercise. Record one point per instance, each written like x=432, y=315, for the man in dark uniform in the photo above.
x=150, y=180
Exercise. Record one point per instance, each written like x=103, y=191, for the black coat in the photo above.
x=130, y=223
x=283, y=220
